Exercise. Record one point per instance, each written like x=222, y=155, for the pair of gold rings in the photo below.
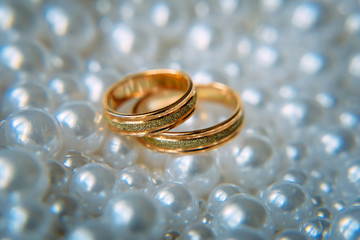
x=152, y=127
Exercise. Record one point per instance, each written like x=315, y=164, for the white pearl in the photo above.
x=350, y=118
x=266, y=56
x=92, y=229
x=26, y=56
x=19, y=17
x=354, y=65
x=198, y=232
x=247, y=233
x=180, y=204
x=199, y=172
x=336, y=141
x=135, y=178
x=22, y=174
x=346, y=224
x=73, y=160
x=68, y=27
x=65, y=87
x=306, y=15
x=316, y=228
x=221, y=194
x=58, y=176
x=25, y=95
x=25, y=220
x=250, y=160
x=287, y=202
x=135, y=216
x=34, y=130
x=97, y=83
x=312, y=63
x=290, y=234
x=93, y=184
x=82, y=126
x=352, y=23
x=242, y=210
x=299, y=112
x=295, y=176
x=118, y=151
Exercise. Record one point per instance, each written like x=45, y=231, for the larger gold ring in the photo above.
x=143, y=84
x=203, y=139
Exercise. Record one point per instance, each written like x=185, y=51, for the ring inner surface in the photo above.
x=144, y=85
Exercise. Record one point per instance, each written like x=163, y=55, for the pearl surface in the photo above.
x=93, y=184
x=198, y=232
x=135, y=216
x=81, y=125
x=118, y=151
x=180, y=204
x=346, y=224
x=90, y=230
x=21, y=173
x=33, y=130
x=199, y=172
x=135, y=178
x=287, y=202
x=243, y=211
x=290, y=235
x=316, y=228
x=221, y=194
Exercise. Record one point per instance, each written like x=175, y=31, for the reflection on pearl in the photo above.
x=199, y=172
x=81, y=125
x=23, y=55
x=21, y=174
x=242, y=210
x=306, y=15
x=290, y=235
x=221, y=194
x=93, y=184
x=181, y=205
x=34, y=130
x=93, y=230
x=118, y=151
x=316, y=228
x=135, y=178
x=346, y=225
x=134, y=216
x=198, y=232
x=287, y=202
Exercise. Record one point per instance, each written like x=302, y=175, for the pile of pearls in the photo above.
x=293, y=172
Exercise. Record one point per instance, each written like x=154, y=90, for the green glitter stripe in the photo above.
x=188, y=144
x=156, y=123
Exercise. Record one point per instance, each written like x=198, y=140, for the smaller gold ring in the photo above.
x=203, y=139
x=144, y=84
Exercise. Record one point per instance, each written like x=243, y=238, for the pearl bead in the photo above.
x=93, y=184
x=316, y=228
x=221, y=194
x=73, y=160
x=336, y=141
x=34, y=130
x=23, y=96
x=58, y=176
x=18, y=17
x=135, y=178
x=306, y=15
x=346, y=224
x=199, y=172
x=295, y=175
x=25, y=220
x=299, y=112
x=135, y=216
x=82, y=126
x=244, y=233
x=68, y=27
x=92, y=229
x=246, y=159
x=118, y=151
x=97, y=83
x=243, y=211
x=65, y=87
x=179, y=203
x=266, y=56
x=352, y=23
x=198, y=232
x=350, y=118
x=312, y=63
x=25, y=56
x=287, y=202
x=290, y=235
x=21, y=174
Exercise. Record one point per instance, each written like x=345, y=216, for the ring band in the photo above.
x=141, y=85
x=203, y=139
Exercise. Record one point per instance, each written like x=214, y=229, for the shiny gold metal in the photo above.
x=143, y=84
x=203, y=139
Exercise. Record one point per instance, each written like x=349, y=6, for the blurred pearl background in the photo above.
x=293, y=172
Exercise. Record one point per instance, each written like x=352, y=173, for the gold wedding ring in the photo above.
x=203, y=139
x=144, y=84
